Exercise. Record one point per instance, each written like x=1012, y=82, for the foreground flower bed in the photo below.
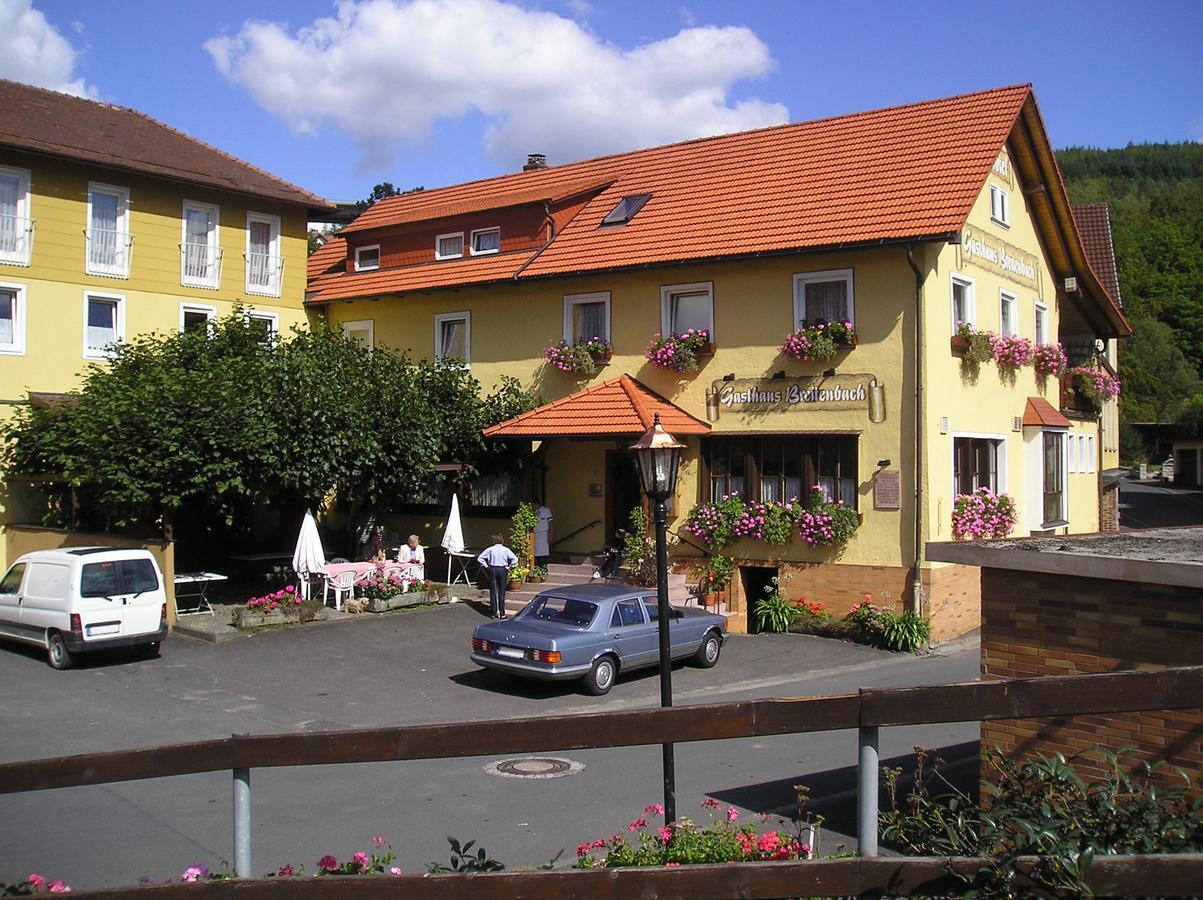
x=685, y=842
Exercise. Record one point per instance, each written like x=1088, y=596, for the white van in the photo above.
x=82, y=599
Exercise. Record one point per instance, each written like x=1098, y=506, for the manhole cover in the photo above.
x=535, y=767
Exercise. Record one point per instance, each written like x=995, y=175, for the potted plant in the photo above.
x=582, y=358
x=975, y=346
x=820, y=341
x=680, y=352
x=522, y=532
x=538, y=574
x=518, y=575
x=1089, y=387
x=714, y=574
x=1049, y=359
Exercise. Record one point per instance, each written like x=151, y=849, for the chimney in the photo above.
x=535, y=161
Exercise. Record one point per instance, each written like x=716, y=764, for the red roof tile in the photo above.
x=622, y=406
x=891, y=174
x=328, y=258
x=43, y=121
x=1094, y=225
x=343, y=285
x=1039, y=412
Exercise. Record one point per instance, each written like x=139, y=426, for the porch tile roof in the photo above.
x=1040, y=412
x=621, y=406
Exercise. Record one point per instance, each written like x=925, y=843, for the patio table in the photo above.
x=194, y=586
x=361, y=569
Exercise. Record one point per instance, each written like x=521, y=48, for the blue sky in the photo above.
x=336, y=97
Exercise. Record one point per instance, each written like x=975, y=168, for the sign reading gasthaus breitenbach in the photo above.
x=986, y=251
x=782, y=394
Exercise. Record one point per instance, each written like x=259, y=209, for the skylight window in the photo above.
x=626, y=208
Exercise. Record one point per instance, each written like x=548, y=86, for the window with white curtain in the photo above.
x=686, y=306
x=199, y=251
x=822, y=297
x=963, y=311
x=453, y=336
x=486, y=240
x=108, y=237
x=367, y=258
x=12, y=319
x=587, y=316
x=449, y=246
x=16, y=228
x=104, y=324
x=263, y=262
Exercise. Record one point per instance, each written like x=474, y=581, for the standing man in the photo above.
x=496, y=561
x=543, y=520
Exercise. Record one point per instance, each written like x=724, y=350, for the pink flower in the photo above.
x=710, y=803
x=328, y=863
x=286, y=871
x=58, y=887
x=732, y=813
x=637, y=824
x=657, y=808
x=666, y=834
x=36, y=880
x=377, y=841
x=671, y=865
x=582, y=850
x=394, y=871
x=194, y=873
x=360, y=857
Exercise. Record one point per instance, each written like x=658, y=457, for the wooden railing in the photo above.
x=866, y=711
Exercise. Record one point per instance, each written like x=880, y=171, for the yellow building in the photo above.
x=113, y=224
x=901, y=222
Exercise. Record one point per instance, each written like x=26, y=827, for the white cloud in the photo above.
x=35, y=52
x=385, y=71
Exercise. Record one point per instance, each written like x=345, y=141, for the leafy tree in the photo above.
x=1158, y=378
x=382, y=190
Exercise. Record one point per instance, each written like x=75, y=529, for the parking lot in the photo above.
x=398, y=669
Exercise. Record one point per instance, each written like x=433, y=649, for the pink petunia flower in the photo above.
x=327, y=863
x=732, y=813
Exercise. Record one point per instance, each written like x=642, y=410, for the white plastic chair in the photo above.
x=342, y=583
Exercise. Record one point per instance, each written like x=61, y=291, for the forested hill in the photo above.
x=1155, y=196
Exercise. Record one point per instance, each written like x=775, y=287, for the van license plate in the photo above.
x=511, y=652
x=106, y=628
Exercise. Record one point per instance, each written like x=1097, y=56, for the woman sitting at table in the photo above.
x=412, y=557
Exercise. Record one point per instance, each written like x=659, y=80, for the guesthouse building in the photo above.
x=866, y=311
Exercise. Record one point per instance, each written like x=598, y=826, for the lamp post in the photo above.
x=658, y=454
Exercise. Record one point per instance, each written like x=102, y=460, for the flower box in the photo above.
x=819, y=341
x=705, y=350
x=249, y=618
x=410, y=598
x=960, y=343
x=514, y=585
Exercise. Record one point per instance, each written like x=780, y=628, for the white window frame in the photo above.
x=213, y=281
x=571, y=300
x=1000, y=206
x=359, y=266
x=123, y=239
x=273, y=320
x=1000, y=463
x=970, y=286
x=1039, y=319
x=119, y=321
x=368, y=325
x=1006, y=298
x=275, y=261
x=1090, y=458
x=17, y=347
x=21, y=256
x=440, y=318
x=1071, y=454
x=472, y=241
x=208, y=310
x=668, y=291
x=801, y=279
x=438, y=238
x=1063, y=513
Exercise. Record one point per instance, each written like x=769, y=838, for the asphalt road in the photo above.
x=408, y=669
x=1151, y=504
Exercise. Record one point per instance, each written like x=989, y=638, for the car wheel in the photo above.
x=149, y=651
x=57, y=652
x=707, y=654
x=601, y=677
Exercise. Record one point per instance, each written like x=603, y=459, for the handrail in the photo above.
x=1012, y=698
x=705, y=553
x=575, y=533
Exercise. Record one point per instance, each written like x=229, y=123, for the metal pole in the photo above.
x=866, y=794
x=666, y=666
x=242, y=823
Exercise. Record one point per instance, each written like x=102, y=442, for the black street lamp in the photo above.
x=658, y=454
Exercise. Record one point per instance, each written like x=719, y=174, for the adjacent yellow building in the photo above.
x=113, y=224
x=911, y=224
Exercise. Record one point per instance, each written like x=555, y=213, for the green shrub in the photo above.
x=906, y=633
x=775, y=613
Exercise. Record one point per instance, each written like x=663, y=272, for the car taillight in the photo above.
x=163, y=614
x=77, y=626
x=481, y=646
x=544, y=656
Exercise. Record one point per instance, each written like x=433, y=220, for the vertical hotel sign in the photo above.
x=993, y=254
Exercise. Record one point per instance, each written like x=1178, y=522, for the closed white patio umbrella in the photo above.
x=453, y=536
x=308, y=557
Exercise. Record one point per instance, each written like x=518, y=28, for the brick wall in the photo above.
x=1046, y=624
x=1109, y=508
x=954, y=601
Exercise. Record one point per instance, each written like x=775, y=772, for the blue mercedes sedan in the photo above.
x=593, y=632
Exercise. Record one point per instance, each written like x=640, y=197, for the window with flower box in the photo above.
x=963, y=312
x=686, y=306
x=587, y=316
x=821, y=297
x=978, y=462
x=775, y=469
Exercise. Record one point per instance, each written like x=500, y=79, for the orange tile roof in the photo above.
x=330, y=257
x=43, y=121
x=621, y=406
x=342, y=285
x=423, y=206
x=1039, y=412
x=890, y=174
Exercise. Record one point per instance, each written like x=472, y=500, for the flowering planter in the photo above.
x=514, y=586
x=409, y=598
x=960, y=343
x=248, y=618
x=705, y=350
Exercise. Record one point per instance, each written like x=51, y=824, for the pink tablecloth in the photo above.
x=361, y=569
